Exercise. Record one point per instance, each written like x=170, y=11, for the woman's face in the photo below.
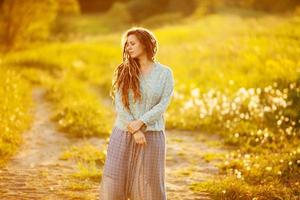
x=134, y=47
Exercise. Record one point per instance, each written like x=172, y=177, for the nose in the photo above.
x=129, y=48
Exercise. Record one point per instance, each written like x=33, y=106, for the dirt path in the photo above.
x=185, y=164
x=36, y=172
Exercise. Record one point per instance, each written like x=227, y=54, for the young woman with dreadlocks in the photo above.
x=142, y=89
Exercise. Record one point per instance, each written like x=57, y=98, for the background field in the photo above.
x=232, y=125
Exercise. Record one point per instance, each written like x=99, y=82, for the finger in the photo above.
x=141, y=141
x=137, y=140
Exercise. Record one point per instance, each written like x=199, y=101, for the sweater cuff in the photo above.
x=143, y=120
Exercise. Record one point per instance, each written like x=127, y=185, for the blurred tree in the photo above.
x=68, y=7
x=266, y=5
x=66, y=11
x=119, y=9
x=91, y=6
x=279, y=5
x=140, y=10
x=26, y=21
x=184, y=7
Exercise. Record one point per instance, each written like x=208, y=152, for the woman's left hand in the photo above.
x=135, y=125
x=140, y=138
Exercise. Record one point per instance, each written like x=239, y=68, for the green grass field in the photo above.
x=236, y=75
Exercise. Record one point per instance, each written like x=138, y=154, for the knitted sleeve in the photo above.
x=120, y=108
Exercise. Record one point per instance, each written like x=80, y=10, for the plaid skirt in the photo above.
x=134, y=171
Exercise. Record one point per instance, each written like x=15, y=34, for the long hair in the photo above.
x=127, y=74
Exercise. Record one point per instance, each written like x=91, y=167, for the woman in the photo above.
x=135, y=163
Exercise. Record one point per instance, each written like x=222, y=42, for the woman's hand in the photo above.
x=139, y=137
x=135, y=125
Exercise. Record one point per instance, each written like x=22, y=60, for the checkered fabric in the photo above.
x=134, y=171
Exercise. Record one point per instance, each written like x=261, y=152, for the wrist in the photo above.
x=135, y=132
x=141, y=122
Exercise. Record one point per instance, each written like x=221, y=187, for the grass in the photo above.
x=231, y=188
x=15, y=111
x=209, y=157
x=84, y=153
x=89, y=162
x=78, y=111
x=236, y=75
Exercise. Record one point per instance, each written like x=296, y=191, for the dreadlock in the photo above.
x=127, y=74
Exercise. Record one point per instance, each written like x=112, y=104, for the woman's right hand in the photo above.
x=139, y=137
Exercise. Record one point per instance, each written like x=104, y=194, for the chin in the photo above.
x=136, y=55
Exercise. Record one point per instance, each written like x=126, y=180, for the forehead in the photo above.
x=132, y=38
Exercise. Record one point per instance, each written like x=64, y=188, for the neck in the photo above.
x=145, y=62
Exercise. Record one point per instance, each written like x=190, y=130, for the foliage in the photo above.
x=95, y=5
x=24, y=22
x=15, y=115
x=68, y=7
x=78, y=111
x=89, y=161
x=231, y=188
x=235, y=74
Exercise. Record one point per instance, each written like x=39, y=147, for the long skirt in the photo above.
x=134, y=171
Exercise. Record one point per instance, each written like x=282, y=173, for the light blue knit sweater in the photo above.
x=156, y=89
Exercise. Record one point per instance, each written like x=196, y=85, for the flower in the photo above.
x=239, y=175
x=268, y=168
x=195, y=92
x=188, y=104
x=279, y=172
x=279, y=122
